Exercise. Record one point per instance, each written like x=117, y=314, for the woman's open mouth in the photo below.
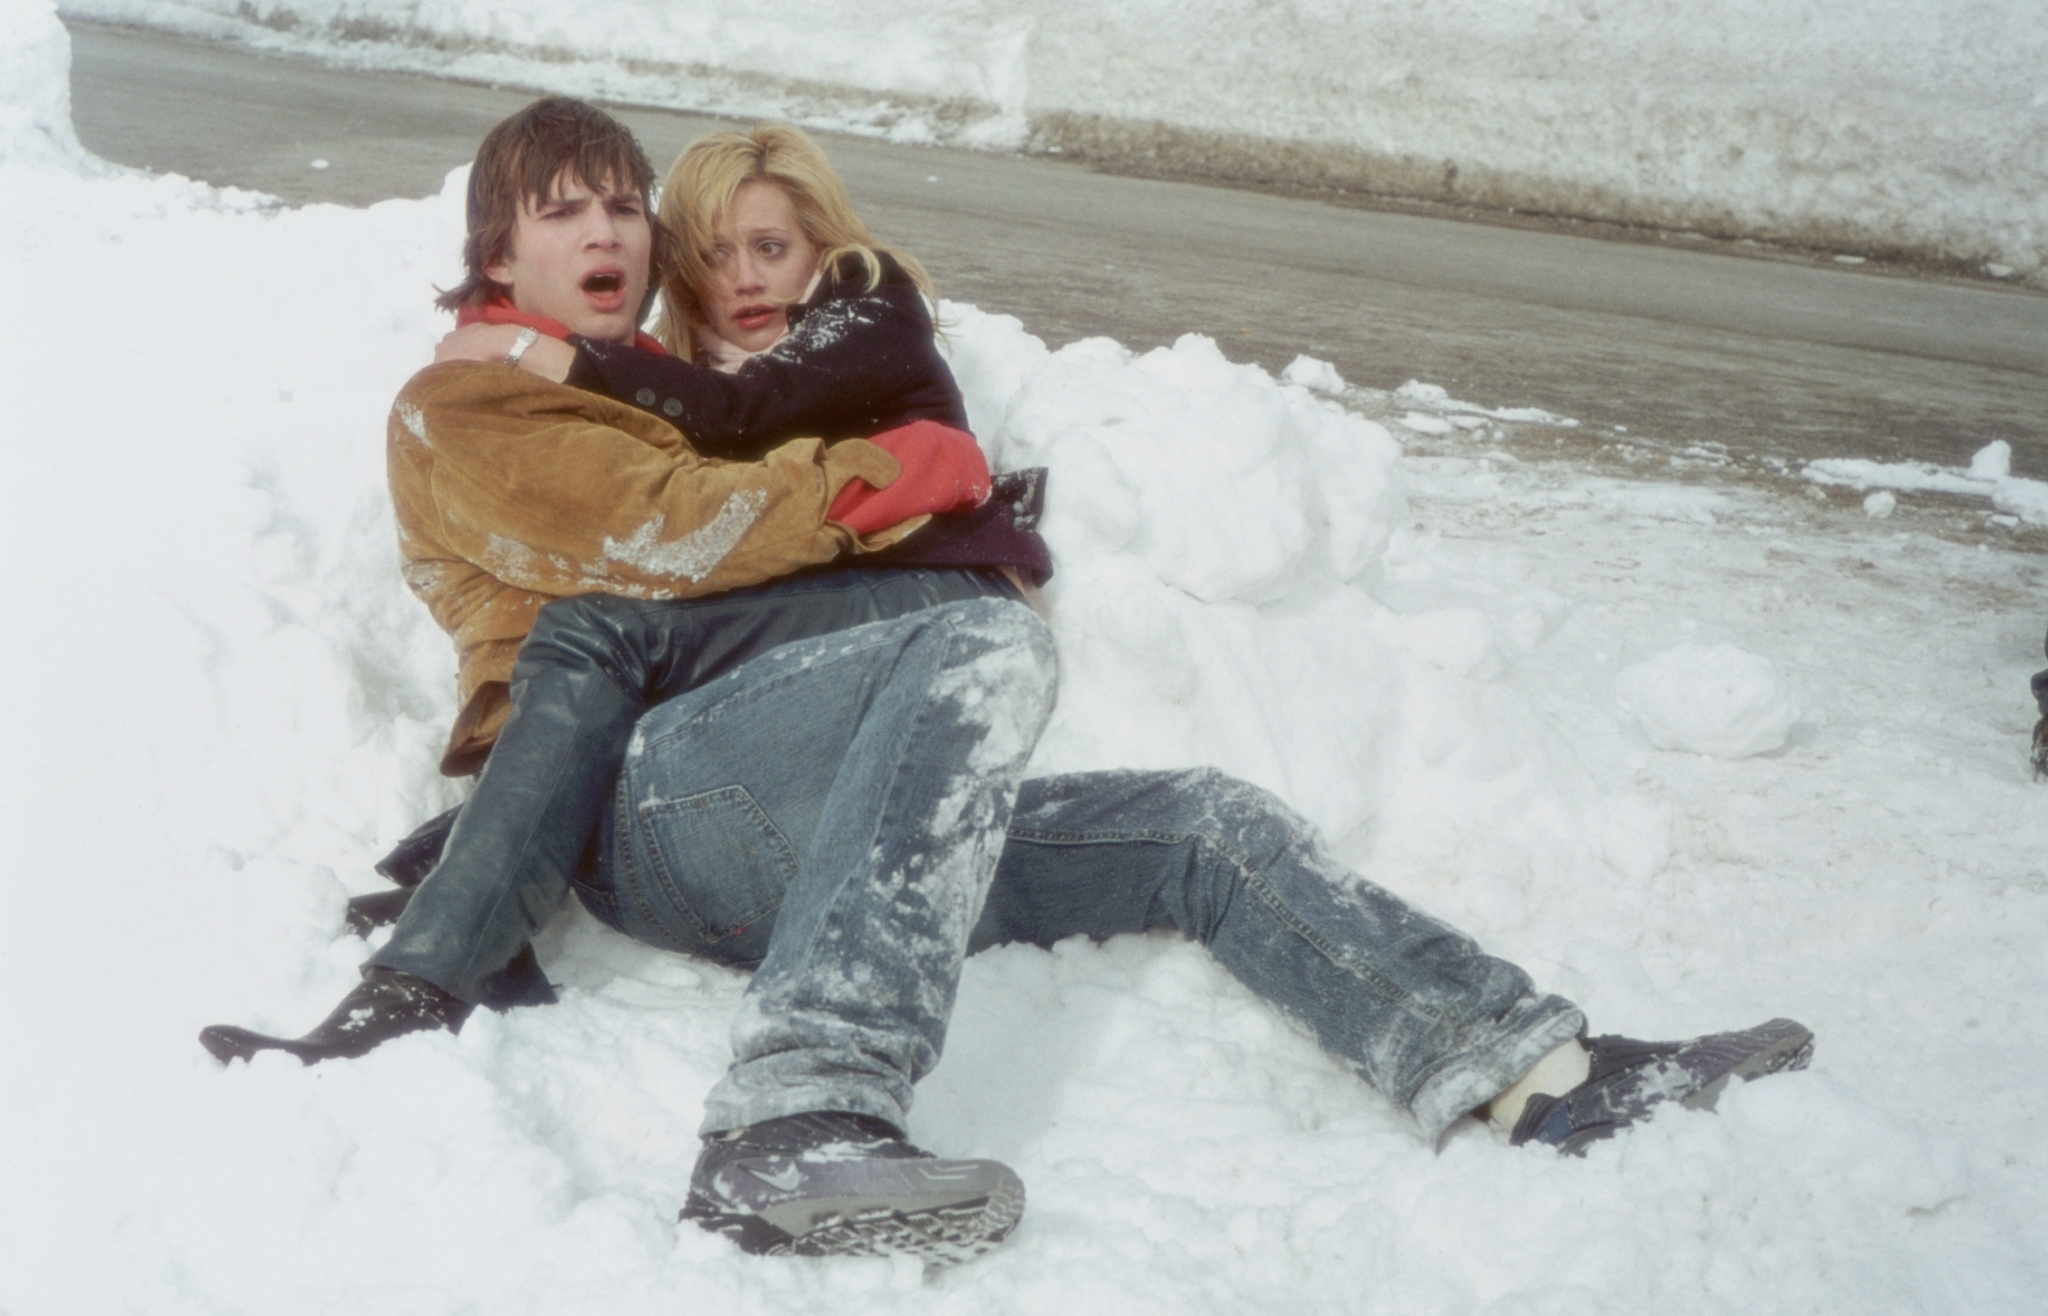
x=756, y=317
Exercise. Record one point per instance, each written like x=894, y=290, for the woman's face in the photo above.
x=760, y=263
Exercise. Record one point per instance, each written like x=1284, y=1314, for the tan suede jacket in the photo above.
x=512, y=491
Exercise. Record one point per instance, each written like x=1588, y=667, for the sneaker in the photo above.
x=1628, y=1078
x=830, y=1184
x=386, y=1004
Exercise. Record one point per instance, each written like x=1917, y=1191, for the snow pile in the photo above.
x=1918, y=126
x=1710, y=699
x=225, y=708
x=35, y=77
x=1989, y=476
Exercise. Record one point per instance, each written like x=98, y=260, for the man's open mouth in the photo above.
x=604, y=282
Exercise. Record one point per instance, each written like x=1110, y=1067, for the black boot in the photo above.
x=378, y=909
x=385, y=1005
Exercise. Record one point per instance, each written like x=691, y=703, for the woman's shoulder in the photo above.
x=851, y=276
x=845, y=300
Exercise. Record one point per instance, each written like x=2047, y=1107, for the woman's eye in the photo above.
x=772, y=249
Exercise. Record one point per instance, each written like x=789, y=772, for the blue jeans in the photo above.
x=589, y=668
x=845, y=817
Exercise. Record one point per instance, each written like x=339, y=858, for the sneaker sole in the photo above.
x=877, y=1219
x=940, y=1236
x=1768, y=1048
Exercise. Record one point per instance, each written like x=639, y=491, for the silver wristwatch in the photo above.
x=527, y=338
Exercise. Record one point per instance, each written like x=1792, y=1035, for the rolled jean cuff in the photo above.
x=726, y=1110
x=1483, y=1071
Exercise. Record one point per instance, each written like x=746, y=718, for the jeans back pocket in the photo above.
x=721, y=862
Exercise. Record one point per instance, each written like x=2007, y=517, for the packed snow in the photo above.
x=225, y=707
x=1917, y=127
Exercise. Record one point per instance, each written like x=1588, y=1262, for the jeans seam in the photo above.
x=1044, y=837
x=895, y=777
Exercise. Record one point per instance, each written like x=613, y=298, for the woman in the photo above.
x=784, y=316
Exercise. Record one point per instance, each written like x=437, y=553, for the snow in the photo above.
x=225, y=707
x=1709, y=699
x=1913, y=127
x=1989, y=476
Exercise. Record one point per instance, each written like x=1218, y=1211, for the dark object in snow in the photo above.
x=378, y=909
x=416, y=855
x=1628, y=1078
x=386, y=1004
x=2039, y=756
x=836, y=1184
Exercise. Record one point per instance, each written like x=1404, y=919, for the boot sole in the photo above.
x=227, y=1044
x=1771, y=1048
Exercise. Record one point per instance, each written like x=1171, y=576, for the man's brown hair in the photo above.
x=518, y=164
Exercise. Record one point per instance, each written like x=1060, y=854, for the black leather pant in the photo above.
x=588, y=669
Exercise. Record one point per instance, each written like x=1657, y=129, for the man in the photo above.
x=837, y=801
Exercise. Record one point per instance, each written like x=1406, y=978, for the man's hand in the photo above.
x=550, y=358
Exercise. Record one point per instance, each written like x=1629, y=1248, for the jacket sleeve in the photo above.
x=550, y=490
x=851, y=367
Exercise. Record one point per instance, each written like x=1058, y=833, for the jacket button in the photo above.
x=645, y=397
x=672, y=407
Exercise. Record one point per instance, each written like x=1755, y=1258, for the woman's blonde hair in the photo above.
x=700, y=189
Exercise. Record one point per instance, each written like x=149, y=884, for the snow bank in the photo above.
x=224, y=706
x=1916, y=126
x=35, y=80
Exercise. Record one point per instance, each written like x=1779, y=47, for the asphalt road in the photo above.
x=1679, y=341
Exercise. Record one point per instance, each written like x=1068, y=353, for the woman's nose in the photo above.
x=745, y=273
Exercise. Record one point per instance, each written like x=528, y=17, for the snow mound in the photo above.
x=1710, y=699
x=35, y=88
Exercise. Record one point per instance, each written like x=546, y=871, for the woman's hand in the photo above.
x=550, y=358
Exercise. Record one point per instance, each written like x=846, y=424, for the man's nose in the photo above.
x=602, y=231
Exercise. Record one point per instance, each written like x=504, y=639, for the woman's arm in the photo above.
x=851, y=367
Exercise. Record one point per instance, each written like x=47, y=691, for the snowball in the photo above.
x=1880, y=504
x=1710, y=699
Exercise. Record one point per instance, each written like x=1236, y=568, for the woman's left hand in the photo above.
x=550, y=358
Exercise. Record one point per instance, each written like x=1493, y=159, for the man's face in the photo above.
x=580, y=257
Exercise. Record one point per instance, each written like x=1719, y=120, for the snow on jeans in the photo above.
x=839, y=815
